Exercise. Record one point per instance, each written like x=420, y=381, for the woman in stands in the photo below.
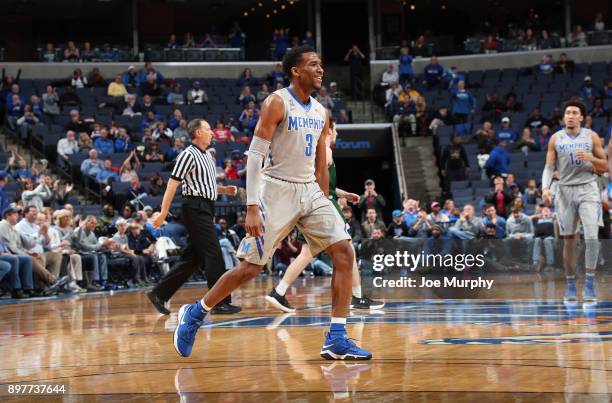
x=130, y=167
x=71, y=53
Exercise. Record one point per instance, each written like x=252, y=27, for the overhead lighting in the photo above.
x=274, y=11
x=252, y=9
x=443, y=6
x=246, y=14
x=260, y=4
x=267, y=15
x=283, y=7
x=412, y=7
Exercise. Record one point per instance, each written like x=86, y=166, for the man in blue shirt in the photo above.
x=107, y=175
x=463, y=103
x=104, y=144
x=498, y=161
x=406, y=71
x=433, y=73
x=506, y=133
x=92, y=165
x=491, y=217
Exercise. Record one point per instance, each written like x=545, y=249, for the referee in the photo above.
x=195, y=170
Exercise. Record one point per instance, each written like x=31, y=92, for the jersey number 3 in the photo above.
x=308, y=149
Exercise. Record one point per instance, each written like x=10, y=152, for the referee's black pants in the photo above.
x=202, y=247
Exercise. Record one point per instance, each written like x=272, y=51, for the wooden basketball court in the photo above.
x=437, y=350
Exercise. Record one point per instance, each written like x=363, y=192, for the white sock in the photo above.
x=357, y=291
x=281, y=288
x=590, y=274
x=206, y=307
x=341, y=321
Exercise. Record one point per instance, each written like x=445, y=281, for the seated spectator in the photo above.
x=150, y=86
x=288, y=250
x=546, y=42
x=188, y=41
x=589, y=91
x=176, y=97
x=281, y=42
x=172, y=44
x=37, y=107
x=71, y=53
x=130, y=167
x=564, y=65
x=117, y=88
x=544, y=234
x=371, y=223
x=421, y=226
x=142, y=243
x=324, y=98
x=277, y=76
x=420, y=47
x=104, y=144
x=546, y=66
x=599, y=110
x=406, y=71
x=578, y=37
x=130, y=78
x=536, y=120
x=137, y=262
x=174, y=151
x=408, y=92
x=95, y=78
x=437, y=216
x=134, y=193
x=230, y=169
x=599, y=24
x=162, y=133
x=78, y=80
x=335, y=94
x=263, y=93
x=529, y=41
x=107, y=175
x=14, y=110
x=237, y=38
x=26, y=122
x=92, y=165
x=491, y=217
x=50, y=55
x=150, y=121
x=196, y=95
x=158, y=187
x=397, y=228
x=519, y=229
x=19, y=245
x=506, y=133
x=464, y=103
x=500, y=196
x=309, y=39
x=248, y=120
x=88, y=53
x=85, y=242
x=454, y=162
x=247, y=79
x=490, y=44
x=149, y=70
x=390, y=75
x=153, y=154
x=246, y=96
x=485, y=135
x=527, y=142
x=177, y=115
x=85, y=143
x=468, y=226
x=353, y=226
x=132, y=108
x=432, y=73
x=50, y=104
x=410, y=211
x=66, y=147
x=147, y=104
x=76, y=124
x=41, y=194
x=511, y=104
x=181, y=132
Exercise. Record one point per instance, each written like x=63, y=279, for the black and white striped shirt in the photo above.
x=196, y=170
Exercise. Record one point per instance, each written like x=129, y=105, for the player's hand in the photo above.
x=584, y=156
x=231, y=190
x=159, y=220
x=252, y=223
x=352, y=198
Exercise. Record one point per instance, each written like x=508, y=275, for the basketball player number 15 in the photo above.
x=308, y=150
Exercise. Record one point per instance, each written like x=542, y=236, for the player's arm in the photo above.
x=272, y=113
x=549, y=168
x=321, y=172
x=597, y=158
x=350, y=197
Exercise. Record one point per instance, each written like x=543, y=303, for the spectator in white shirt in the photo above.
x=38, y=236
x=66, y=147
x=40, y=194
x=390, y=75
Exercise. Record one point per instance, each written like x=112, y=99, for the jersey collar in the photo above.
x=299, y=101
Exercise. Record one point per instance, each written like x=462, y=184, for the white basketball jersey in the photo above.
x=573, y=171
x=294, y=144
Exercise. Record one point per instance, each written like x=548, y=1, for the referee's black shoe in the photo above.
x=158, y=303
x=226, y=309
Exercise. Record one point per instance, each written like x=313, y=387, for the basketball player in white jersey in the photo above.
x=291, y=190
x=578, y=156
x=358, y=299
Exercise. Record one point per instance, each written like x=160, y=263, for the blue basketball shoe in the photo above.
x=343, y=348
x=570, y=291
x=190, y=318
x=588, y=292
